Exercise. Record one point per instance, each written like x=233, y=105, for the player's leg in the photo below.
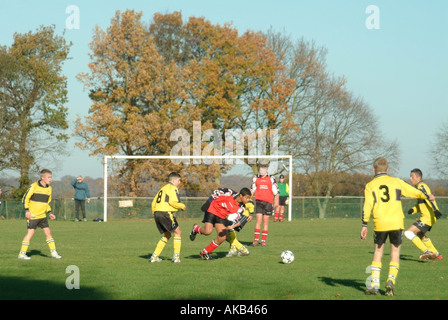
x=257, y=230
x=428, y=243
x=222, y=233
x=155, y=257
x=376, y=265
x=236, y=247
x=177, y=244
x=282, y=212
x=50, y=242
x=394, y=265
x=26, y=243
x=264, y=232
x=164, y=225
x=206, y=229
x=414, y=234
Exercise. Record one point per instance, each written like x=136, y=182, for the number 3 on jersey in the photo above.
x=386, y=196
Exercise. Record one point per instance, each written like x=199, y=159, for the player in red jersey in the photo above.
x=265, y=189
x=220, y=214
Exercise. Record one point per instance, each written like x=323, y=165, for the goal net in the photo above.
x=129, y=195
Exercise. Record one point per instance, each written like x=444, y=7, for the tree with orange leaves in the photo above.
x=147, y=81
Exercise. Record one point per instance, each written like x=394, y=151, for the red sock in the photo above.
x=212, y=246
x=256, y=234
x=197, y=229
x=276, y=216
x=264, y=235
x=281, y=216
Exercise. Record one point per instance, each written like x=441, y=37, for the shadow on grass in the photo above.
x=15, y=288
x=358, y=285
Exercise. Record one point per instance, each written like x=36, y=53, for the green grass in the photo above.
x=112, y=258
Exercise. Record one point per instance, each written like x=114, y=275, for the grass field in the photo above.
x=112, y=258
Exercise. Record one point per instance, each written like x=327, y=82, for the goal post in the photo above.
x=193, y=157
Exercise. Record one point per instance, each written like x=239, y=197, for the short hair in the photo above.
x=44, y=171
x=173, y=175
x=381, y=165
x=417, y=172
x=245, y=192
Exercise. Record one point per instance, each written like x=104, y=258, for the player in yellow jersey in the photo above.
x=236, y=247
x=383, y=202
x=165, y=203
x=429, y=213
x=36, y=202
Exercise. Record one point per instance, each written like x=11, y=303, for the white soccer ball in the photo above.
x=287, y=256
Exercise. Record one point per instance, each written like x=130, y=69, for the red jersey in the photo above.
x=223, y=206
x=265, y=188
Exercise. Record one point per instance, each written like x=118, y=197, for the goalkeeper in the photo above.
x=429, y=214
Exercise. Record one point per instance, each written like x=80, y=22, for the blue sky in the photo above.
x=399, y=69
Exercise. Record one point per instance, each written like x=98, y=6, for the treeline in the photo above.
x=61, y=188
x=148, y=82
x=349, y=185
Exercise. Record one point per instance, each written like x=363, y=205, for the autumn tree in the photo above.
x=146, y=82
x=439, y=150
x=339, y=133
x=237, y=80
x=33, y=92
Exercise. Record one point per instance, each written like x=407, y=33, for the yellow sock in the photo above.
x=419, y=244
x=393, y=271
x=234, y=241
x=375, y=273
x=51, y=244
x=24, y=247
x=160, y=246
x=428, y=244
x=177, y=245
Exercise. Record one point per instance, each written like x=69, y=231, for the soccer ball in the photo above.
x=287, y=256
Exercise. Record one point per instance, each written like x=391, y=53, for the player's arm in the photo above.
x=48, y=209
x=425, y=189
x=249, y=209
x=175, y=199
x=413, y=210
x=411, y=192
x=254, y=185
x=369, y=201
x=153, y=204
x=26, y=201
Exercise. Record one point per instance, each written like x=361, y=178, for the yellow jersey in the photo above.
x=382, y=199
x=167, y=200
x=424, y=207
x=37, y=200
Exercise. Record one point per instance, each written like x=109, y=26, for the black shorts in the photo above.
x=282, y=200
x=264, y=208
x=421, y=226
x=41, y=223
x=165, y=221
x=395, y=237
x=211, y=218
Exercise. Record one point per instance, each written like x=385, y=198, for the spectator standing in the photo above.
x=82, y=193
